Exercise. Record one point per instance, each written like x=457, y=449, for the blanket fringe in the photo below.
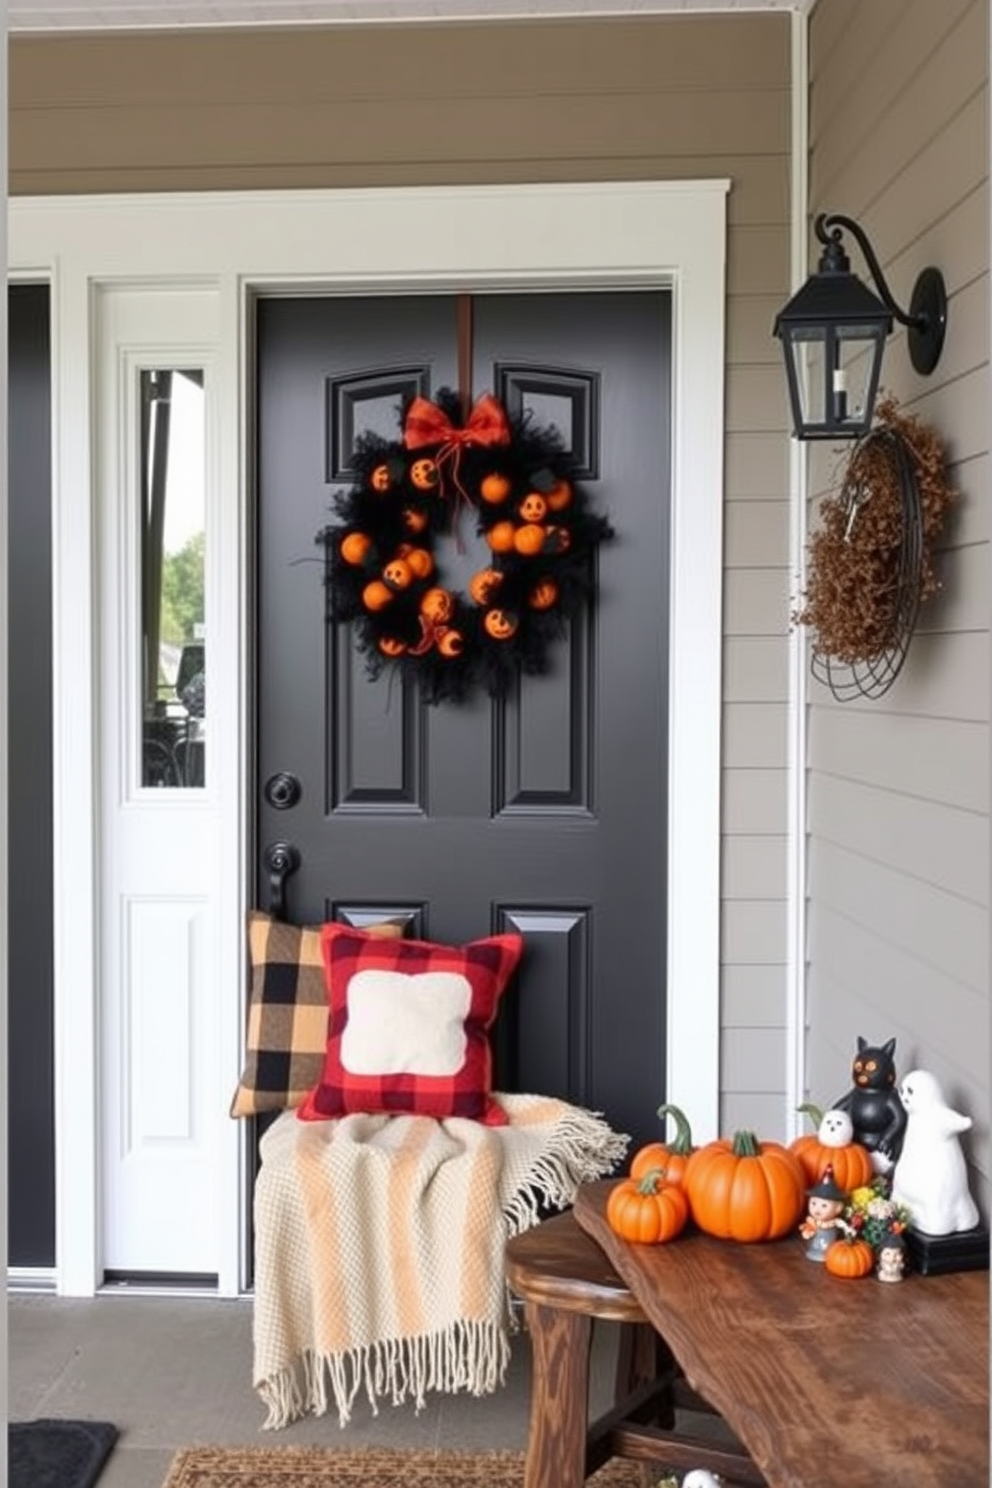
x=468, y=1355
x=584, y=1148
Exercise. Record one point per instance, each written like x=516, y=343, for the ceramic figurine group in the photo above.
x=913, y=1139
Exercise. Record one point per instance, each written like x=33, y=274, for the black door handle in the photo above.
x=280, y=859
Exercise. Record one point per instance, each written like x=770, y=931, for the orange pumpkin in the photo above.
x=559, y=496
x=438, y=605
x=390, y=646
x=743, y=1189
x=355, y=547
x=832, y=1145
x=533, y=508
x=424, y=474
x=500, y=537
x=529, y=539
x=398, y=574
x=672, y=1157
x=381, y=478
x=494, y=488
x=377, y=595
x=544, y=595
x=450, y=642
x=500, y=624
x=414, y=520
x=647, y=1210
x=421, y=562
x=483, y=585
x=849, y=1258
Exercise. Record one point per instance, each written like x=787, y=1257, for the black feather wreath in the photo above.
x=516, y=484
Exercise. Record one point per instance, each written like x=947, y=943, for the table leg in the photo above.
x=559, y=1399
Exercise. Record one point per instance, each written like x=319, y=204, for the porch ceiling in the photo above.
x=129, y=15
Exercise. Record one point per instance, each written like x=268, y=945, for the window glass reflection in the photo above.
x=173, y=508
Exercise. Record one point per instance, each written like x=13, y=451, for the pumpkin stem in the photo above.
x=650, y=1181
x=682, y=1141
x=813, y=1112
x=745, y=1144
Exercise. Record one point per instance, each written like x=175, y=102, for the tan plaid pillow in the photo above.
x=287, y=1013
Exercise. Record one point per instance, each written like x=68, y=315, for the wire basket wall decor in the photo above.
x=871, y=559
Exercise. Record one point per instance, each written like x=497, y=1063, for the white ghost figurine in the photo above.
x=700, y=1478
x=930, y=1177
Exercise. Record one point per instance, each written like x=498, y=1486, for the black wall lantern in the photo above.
x=833, y=333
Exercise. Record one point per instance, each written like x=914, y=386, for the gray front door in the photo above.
x=544, y=811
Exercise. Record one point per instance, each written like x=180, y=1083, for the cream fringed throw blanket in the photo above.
x=379, y=1247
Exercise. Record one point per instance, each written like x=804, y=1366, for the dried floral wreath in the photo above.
x=516, y=481
x=870, y=562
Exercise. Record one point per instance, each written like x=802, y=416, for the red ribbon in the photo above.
x=427, y=424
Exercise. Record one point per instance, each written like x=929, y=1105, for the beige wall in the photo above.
x=667, y=97
x=899, y=787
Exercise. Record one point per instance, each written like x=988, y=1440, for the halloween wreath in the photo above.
x=517, y=484
x=870, y=562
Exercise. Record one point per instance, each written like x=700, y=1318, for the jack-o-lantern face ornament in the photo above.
x=381, y=478
x=483, y=585
x=533, y=508
x=398, y=574
x=438, y=605
x=424, y=475
x=544, y=595
x=390, y=646
x=501, y=624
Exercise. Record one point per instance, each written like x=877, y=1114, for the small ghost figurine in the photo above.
x=700, y=1478
x=930, y=1177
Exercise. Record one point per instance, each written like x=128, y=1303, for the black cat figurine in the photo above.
x=873, y=1104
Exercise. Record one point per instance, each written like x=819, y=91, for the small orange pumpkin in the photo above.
x=544, y=595
x=673, y=1157
x=421, y=562
x=849, y=1258
x=414, y=520
x=529, y=539
x=833, y=1145
x=398, y=574
x=381, y=478
x=377, y=595
x=495, y=487
x=743, y=1189
x=647, y=1210
x=500, y=537
x=559, y=496
x=483, y=585
x=450, y=642
x=438, y=605
x=390, y=646
x=355, y=547
x=424, y=475
x=533, y=508
x=500, y=624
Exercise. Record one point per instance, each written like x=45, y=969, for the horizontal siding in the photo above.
x=898, y=859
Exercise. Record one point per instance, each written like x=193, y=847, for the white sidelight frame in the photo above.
x=588, y=235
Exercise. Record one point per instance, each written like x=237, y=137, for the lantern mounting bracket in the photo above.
x=926, y=319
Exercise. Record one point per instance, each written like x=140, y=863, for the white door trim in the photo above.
x=593, y=235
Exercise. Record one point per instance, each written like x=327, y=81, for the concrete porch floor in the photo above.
x=174, y=1372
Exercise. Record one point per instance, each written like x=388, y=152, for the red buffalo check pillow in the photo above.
x=408, y=1028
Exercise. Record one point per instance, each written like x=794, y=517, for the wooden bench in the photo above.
x=565, y=1282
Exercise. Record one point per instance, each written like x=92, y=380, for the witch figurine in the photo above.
x=823, y=1222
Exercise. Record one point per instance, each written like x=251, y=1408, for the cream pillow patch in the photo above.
x=402, y=1023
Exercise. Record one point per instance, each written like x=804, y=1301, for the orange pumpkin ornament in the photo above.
x=500, y=537
x=833, y=1145
x=377, y=595
x=424, y=474
x=544, y=595
x=414, y=520
x=438, y=605
x=529, y=539
x=533, y=508
x=381, y=478
x=647, y=1210
x=483, y=585
x=559, y=496
x=500, y=624
x=743, y=1189
x=398, y=574
x=355, y=547
x=673, y=1157
x=495, y=488
x=390, y=646
x=450, y=642
x=849, y=1259
x=420, y=560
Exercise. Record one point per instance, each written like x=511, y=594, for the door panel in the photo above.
x=544, y=811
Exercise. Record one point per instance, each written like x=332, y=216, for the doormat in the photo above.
x=319, y=1467
x=57, y=1454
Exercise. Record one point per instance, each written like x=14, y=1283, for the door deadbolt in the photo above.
x=282, y=790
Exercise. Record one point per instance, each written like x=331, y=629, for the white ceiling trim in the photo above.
x=135, y=15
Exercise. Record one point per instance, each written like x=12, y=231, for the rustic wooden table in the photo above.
x=827, y=1383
